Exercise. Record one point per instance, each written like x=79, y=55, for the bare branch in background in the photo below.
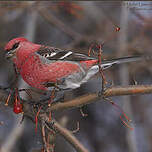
x=50, y=18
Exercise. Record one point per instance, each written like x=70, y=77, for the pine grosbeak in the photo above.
x=43, y=66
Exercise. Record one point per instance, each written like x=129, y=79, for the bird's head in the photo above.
x=12, y=46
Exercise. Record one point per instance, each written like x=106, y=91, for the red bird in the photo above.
x=43, y=66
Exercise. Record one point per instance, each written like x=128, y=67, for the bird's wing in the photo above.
x=51, y=53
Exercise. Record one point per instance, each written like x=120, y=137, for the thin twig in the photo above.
x=44, y=136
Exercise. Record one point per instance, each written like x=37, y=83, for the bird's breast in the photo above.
x=36, y=73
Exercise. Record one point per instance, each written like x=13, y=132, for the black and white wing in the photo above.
x=51, y=53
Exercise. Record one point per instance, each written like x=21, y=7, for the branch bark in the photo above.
x=92, y=97
x=89, y=98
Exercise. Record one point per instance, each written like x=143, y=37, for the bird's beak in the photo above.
x=10, y=54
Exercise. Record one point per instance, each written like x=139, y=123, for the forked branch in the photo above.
x=65, y=133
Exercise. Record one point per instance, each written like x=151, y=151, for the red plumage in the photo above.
x=37, y=73
x=42, y=66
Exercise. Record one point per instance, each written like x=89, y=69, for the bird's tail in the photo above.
x=108, y=63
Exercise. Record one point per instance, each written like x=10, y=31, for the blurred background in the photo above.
x=76, y=25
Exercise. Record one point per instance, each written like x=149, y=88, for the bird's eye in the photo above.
x=15, y=46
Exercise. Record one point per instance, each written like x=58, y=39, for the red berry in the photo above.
x=117, y=29
x=18, y=108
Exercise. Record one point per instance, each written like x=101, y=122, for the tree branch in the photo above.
x=130, y=90
x=65, y=133
x=78, y=102
x=92, y=97
x=69, y=137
